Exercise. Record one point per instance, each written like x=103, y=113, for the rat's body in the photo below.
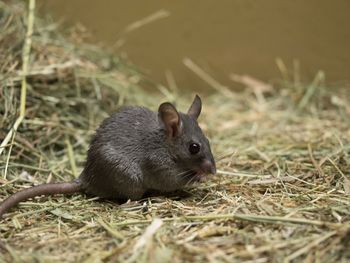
x=135, y=151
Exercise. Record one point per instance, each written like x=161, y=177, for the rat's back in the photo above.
x=112, y=168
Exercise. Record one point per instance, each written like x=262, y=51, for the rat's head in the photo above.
x=188, y=145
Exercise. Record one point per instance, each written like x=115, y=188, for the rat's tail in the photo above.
x=43, y=189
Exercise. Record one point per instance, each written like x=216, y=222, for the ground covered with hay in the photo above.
x=281, y=194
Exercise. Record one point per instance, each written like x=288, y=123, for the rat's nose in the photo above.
x=208, y=166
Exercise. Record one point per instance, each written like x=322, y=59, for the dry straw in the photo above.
x=282, y=192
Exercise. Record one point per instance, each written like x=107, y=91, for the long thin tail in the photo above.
x=43, y=189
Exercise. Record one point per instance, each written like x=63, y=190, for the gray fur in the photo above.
x=131, y=153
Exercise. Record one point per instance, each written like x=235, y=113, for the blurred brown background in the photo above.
x=222, y=37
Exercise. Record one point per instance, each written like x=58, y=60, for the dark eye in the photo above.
x=194, y=148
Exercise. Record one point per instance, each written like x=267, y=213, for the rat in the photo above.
x=134, y=151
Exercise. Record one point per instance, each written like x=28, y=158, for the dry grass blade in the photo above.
x=206, y=77
x=151, y=18
x=26, y=53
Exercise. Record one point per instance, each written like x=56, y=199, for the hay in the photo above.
x=282, y=192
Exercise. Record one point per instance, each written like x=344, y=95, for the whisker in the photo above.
x=184, y=173
x=190, y=174
x=190, y=181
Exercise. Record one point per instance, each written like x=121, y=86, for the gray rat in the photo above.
x=137, y=150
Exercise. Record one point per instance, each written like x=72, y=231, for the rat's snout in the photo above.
x=208, y=166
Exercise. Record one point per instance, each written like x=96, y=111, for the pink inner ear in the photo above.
x=170, y=118
x=173, y=126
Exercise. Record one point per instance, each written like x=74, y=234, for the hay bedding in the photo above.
x=282, y=192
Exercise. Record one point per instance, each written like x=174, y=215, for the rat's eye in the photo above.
x=194, y=148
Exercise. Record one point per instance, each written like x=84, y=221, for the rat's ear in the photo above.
x=171, y=119
x=195, y=108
